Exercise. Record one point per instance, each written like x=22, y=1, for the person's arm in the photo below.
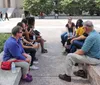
x=82, y=37
x=30, y=43
x=24, y=46
x=27, y=57
x=89, y=42
x=86, y=46
x=73, y=29
x=79, y=52
x=15, y=52
x=33, y=46
x=27, y=42
x=77, y=32
x=66, y=27
x=27, y=37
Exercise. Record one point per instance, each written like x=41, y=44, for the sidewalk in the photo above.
x=51, y=64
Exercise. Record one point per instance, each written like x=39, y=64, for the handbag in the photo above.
x=6, y=65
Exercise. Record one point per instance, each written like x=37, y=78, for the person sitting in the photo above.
x=29, y=48
x=88, y=54
x=80, y=30
x=77, y=43
x=70, y=26
x=13, y=50
x=29, y=37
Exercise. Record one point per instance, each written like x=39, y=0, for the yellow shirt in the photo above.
x=80, y=31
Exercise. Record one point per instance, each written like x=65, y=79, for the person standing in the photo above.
x=56, y=14
x=1, y=16
x=6, y=16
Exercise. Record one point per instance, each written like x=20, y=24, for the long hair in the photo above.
x=79, y=23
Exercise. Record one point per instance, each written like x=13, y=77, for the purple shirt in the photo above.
x=13, y=49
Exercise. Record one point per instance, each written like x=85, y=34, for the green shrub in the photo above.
x=3, y=38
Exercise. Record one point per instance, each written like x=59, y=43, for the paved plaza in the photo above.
x=41, y=24
x=50, y=64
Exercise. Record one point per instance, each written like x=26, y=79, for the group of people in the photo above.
x=81, y=41
x=75, y=36
x=6, y=16
x=23, y=45
x=82, y=47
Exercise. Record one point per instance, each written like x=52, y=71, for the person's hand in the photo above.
x=38, y=40
x=68, y=37
x=28, y=60
x=25, y=55
x=36, y=46
x=72, y=41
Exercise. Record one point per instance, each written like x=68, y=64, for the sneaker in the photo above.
x=65, y=77
x=35, y=62
x=80, y=73
x=33, y=67
x=29, y=75
x=27, y=79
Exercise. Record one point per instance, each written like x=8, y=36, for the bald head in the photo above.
x=88, y=24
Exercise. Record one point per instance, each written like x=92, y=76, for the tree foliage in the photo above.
x=70, y=7
x=37, y=6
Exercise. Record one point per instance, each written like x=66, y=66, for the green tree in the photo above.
x=71, y=7
x=37, y=6
x=64, y=4
x=97, y=10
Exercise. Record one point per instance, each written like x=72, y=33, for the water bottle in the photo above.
x=13, y=67
x=34, y=37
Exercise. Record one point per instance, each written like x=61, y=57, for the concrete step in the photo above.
x=1, y=56
x=9, y=78
x=94, y=74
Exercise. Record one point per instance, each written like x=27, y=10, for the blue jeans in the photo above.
x=64, y=37
x=77, y=44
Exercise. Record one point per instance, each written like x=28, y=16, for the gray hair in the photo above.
x=16, y=29
x=88, y=24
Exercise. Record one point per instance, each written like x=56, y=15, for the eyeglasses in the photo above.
x=20, y=32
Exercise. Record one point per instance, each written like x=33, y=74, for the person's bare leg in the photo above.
x=43, y=50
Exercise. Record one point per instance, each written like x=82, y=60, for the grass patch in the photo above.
x=3, y=38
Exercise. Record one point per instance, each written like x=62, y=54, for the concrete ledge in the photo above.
x=94, y=74
x=1, y=56
x=9, y=78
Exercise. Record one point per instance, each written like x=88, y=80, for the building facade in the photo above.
x=17, y=4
